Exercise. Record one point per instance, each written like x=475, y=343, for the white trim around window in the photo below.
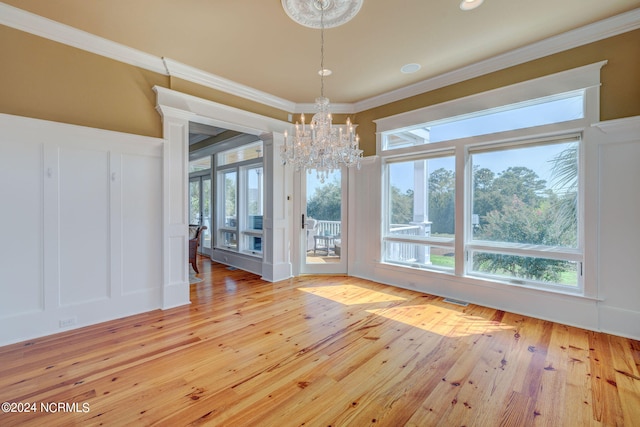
x=585, y=79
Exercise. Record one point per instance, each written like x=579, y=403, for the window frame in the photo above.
x=585, y=78
x=428, y=241
x=241, y=228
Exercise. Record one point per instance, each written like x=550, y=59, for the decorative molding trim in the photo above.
x=195, y=75
x=191, y=108
x=564, y=81
x=52, y=30
x=628, y=127
x=308, y=14
x=588, y=34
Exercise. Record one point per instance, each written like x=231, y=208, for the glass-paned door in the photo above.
x=206, y=215
x=324, y=236
x=195, y=205
x=200, y=208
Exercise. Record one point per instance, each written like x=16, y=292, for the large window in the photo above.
x=525, y=202
x=501, y=185
x=421, y=212
x=536, y=112
x=228, y=227
x=240, y=199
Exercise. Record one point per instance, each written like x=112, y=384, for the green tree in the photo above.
x=484, y=199
x=230, y=195
x=564, y=179
x=520, y=222
x=325, y=204
x=492, y=193
x=442, y=201
x=401, y=206
x=519, y=181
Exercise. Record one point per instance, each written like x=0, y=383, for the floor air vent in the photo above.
x=456, y=302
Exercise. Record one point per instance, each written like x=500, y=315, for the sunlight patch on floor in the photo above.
x=440, y=320
x=351, y=294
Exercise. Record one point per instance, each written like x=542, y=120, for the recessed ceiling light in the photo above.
x=470, y=4
x=410, y=68
x=325, y=72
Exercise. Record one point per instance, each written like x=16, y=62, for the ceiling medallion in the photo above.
x=336, y=12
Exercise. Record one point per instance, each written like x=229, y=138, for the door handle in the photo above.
x=303, y=221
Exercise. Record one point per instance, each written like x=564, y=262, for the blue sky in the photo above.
x=536, y=158
x=493, y=121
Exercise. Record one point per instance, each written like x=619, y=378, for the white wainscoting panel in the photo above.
x=81, y=226
x=21, y=262
x=619, y=227
x=141, y=223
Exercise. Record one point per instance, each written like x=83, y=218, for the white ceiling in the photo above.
x=254, y=42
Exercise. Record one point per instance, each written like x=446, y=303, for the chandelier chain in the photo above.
x=322, y=51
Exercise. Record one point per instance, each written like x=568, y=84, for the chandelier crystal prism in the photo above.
x=321, y=145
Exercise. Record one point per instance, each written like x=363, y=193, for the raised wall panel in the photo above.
x=83, y=225
x=620, y=225
x=177, y=250
x=175, y=278
x=179, y=183
x=80, y=227
x=141, y=223
x=21, y=263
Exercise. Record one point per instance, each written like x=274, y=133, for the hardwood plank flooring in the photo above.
x=322, y=351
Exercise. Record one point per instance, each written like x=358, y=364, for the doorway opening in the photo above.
x=200, y=199
x=323, y=231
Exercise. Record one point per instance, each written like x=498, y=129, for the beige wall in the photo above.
x=48, y=80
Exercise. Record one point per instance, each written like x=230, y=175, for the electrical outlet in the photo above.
x=65, y=323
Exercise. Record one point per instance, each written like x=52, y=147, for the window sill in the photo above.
x=471, y=280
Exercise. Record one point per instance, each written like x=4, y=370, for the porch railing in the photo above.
x=328, y=228
x=408, y=252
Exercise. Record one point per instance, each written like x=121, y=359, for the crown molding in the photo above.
x=601, y=30
x=61, y=33
x=52, y=30
x=195, y=75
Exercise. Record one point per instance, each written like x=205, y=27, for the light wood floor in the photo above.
x=323, y=351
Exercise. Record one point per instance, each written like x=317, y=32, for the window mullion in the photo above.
x=463, y=209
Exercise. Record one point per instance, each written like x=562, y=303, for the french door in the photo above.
x=323, y=223
x=200, y=208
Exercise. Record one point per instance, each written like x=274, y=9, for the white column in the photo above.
x=278, y=185
x=175, y=249
x=421, y=207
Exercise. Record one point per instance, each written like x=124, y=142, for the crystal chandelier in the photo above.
x=320, y=145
